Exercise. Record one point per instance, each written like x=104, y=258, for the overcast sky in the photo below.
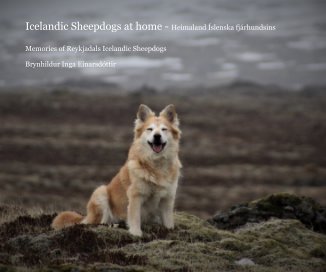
x=293, y=55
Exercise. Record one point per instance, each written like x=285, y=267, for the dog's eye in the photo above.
x=164, y=129
x=150, y=129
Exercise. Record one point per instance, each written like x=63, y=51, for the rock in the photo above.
x=281, y=205
x=321, y=219
x=245, y=261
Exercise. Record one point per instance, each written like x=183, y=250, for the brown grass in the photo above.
x=235, y=146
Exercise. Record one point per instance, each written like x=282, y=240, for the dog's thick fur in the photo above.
x=145, y=187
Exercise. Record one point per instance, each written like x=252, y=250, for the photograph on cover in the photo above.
x=163, y=135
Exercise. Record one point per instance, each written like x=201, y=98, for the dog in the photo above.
x=145, y=187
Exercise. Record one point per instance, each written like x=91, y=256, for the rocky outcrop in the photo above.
x=281, y=205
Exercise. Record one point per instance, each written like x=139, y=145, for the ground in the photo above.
x=28, y=242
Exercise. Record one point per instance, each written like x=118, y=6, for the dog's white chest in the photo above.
x=153, y=197
x=153, y=191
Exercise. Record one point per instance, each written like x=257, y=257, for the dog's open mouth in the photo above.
x=157, y=148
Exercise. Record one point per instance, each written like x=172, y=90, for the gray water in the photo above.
x=293, y=55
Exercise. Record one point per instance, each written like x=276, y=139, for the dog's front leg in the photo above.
x=166, y=207
x=134, y=215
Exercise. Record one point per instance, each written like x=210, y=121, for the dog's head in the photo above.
x=157, y=135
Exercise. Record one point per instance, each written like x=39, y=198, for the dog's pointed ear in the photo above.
x=144, y=112
x=170, y=114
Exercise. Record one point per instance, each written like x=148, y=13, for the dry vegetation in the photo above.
x=56, y=147
x=29, y=244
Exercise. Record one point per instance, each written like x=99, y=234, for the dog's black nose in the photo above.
x=157, y=137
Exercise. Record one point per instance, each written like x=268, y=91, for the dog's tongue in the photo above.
x=157, y=148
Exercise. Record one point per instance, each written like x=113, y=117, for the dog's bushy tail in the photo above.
x=98, y=212
x=66, y=219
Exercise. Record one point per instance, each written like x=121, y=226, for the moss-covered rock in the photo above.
x=281, y=205
x=194, y=245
